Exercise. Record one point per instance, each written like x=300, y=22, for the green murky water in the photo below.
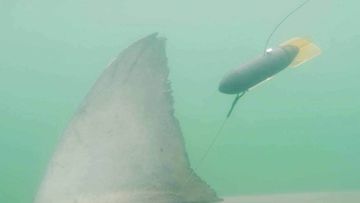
x=297, y=133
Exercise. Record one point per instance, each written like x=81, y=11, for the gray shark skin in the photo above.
x=124, y=143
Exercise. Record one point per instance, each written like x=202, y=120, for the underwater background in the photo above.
x=299, y=132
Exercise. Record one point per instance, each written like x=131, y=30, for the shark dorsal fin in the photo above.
x=124, y=144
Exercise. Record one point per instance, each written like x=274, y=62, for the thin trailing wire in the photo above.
x=238, y=96
x=282, y=21
x=209, y=148
x=218, y=133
